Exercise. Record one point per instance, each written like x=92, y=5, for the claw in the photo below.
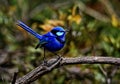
x=45, y=63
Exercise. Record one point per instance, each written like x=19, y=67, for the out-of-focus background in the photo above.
x=94, y=31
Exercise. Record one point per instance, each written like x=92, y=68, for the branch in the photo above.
x=41, y=70
x=93, y=13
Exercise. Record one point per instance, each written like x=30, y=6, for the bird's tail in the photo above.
x=28, y=29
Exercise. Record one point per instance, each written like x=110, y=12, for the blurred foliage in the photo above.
x=88, y=36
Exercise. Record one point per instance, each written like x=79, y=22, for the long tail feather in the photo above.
x=28, y=29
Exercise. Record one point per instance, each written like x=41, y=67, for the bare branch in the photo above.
x=103, y=70
x=41, y=70
x=108, y=6
x=92, y=12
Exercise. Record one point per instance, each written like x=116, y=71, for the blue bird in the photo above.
x=52, y=41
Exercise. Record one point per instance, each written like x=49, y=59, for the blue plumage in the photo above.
x=52, y=41
x=25, y=27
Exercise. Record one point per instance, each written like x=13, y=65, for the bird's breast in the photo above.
x=53, y=45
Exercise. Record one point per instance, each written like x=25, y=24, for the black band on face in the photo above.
x=54, y=32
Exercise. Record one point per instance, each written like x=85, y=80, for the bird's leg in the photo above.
x=37, y=46
x=44, y=58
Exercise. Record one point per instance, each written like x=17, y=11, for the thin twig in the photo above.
x=92, y=12
x=102, y=70
x=114, y=71
x=110, y=75
x=108, y=6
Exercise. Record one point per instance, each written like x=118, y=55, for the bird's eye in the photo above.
x=59, y=33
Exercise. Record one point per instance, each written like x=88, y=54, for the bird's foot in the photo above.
x=45, y=63
x=59, y=57
x=48, y=66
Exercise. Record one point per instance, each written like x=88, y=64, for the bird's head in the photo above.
x=59, y=32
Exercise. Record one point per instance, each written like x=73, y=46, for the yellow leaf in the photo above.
x=55, y=22
x=114, y=21
x=76, y=18
x=46, y=27
x=62, y=16
x=74, y=10
x=34, y=25
x=12, y=10
x=49, y=24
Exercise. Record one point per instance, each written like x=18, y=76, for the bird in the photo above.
x=52, y=41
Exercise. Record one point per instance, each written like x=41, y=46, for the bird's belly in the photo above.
x=53, y=47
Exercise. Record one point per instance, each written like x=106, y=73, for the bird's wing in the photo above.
x=40, y=44
x=28, y=29
x=45, y=39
